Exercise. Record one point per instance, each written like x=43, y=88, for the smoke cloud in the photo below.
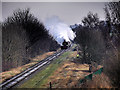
x=59, y=30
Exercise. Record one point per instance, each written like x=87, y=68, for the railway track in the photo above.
x=16, y=79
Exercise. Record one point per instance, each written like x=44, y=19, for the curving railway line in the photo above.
x=16, y=79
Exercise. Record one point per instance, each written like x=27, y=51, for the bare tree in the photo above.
x=91, y=20
x=14, y=41
x=108, y=18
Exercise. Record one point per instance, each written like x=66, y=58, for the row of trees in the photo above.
x=24, y=37
x=90, y=38
x=100, y=41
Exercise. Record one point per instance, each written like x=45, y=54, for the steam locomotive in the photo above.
x=65, y=45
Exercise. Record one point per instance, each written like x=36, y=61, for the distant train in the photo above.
x=65, y=45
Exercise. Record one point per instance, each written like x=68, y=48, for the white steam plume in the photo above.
x=59, y=30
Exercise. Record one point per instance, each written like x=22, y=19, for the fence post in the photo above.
x=90, y=68
x=50, y=86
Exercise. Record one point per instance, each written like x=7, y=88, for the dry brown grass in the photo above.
x=41, y=57
x=73, y=54
x=68, y=75
x=8, y=74
x=98, y=81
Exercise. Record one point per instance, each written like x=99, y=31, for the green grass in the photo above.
x=41, y=78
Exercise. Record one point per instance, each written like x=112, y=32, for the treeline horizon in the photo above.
x=24, y=37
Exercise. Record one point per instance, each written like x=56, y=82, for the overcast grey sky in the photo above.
x=69, y=12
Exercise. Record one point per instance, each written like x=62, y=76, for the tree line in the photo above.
x=100, y=41
x=24, y=37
